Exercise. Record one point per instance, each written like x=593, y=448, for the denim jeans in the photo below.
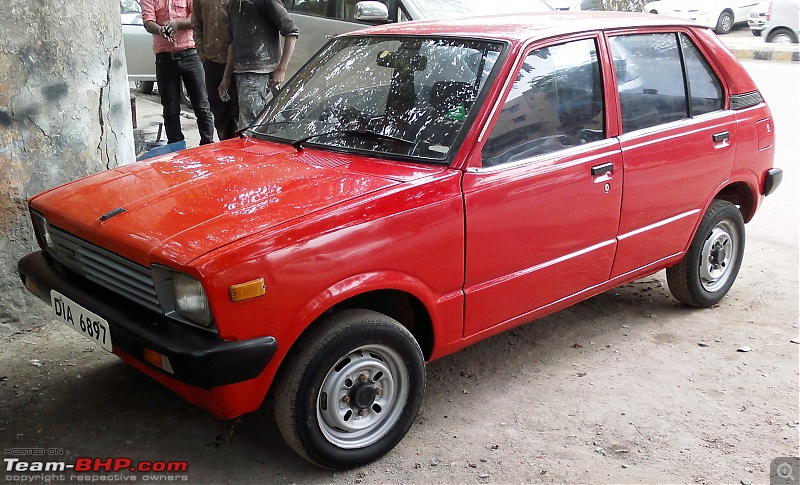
x=226, y=113
x=170, y=71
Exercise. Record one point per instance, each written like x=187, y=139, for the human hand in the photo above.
x=277, y=77
x=168, y=31
x=224, y=85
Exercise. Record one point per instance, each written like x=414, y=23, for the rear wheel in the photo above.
x=708, y=269
x=782, y=36
x=352, y=390
x=724, y=23
x=144, y=87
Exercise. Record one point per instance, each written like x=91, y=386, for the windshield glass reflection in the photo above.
x=406, y=96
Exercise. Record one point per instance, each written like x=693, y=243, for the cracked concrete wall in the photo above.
x=64, y=113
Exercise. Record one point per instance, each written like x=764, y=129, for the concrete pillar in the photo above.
x=64, y=113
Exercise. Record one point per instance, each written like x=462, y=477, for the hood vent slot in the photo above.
x=108, y=215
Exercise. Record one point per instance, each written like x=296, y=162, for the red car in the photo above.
x=416, y=188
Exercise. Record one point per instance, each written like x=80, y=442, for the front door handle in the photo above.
x=721, y=136
x=602, y=168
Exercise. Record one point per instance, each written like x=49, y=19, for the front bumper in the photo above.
x=197, y=357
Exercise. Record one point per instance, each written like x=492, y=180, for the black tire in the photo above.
x=756, y=33
x=377, y=368
x=782, y=36
x=724, y=23
x=144, y=87
x=708, y=269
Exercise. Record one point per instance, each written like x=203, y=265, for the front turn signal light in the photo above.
x=250, y=289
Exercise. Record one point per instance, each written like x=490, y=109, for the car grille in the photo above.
x=117, y=274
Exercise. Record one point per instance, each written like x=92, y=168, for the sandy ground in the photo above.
x=627, y=387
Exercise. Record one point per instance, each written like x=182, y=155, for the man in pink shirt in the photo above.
x=176, y=60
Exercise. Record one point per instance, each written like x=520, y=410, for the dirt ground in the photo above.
x=627, y=387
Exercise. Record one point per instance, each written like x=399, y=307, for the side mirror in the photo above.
x=371, y=11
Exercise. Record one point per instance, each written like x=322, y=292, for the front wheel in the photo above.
x=351, y=391
x=707, y=271
x=724, y=23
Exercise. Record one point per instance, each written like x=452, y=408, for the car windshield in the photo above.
x=399, y=96
x=432, y=9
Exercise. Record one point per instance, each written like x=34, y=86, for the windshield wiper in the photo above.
x=298, y=144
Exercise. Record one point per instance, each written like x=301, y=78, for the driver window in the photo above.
x=556, y=102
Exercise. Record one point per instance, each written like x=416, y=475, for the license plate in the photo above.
x=93, y=327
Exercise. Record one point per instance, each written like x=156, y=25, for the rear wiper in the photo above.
x=298, y=144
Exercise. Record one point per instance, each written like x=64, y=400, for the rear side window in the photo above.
x=556, y=102
x=662, y=77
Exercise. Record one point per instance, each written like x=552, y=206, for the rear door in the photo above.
x=543, y=210
x=676, y=143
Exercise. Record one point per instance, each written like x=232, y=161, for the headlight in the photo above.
x=190, y=299
x=43, y=231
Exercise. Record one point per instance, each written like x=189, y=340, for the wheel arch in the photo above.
x=400, y=305
x=398, y=296
x=742, y=195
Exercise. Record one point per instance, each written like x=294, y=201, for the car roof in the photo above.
x=522, y=27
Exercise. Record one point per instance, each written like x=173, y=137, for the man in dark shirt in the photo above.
x=212, y=36
x=255, y=53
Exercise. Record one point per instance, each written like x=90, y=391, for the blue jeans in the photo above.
x=171, y=69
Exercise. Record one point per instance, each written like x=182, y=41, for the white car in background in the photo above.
x=782, y=21
x=720, y=15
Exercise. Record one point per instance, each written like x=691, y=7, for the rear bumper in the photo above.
x=197, y=357
x=772, y=180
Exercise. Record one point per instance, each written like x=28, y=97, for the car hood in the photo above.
x=180, y=206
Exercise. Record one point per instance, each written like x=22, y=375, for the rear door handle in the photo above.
x=721, y=136
x=602, y=168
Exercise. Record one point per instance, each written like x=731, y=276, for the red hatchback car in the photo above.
x=414, y=189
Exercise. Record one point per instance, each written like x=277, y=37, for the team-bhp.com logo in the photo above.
x=86, y=469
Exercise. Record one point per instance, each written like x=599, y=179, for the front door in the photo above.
x=543, y=210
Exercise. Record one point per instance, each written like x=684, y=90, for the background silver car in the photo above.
x=138, y=45
x=321, y=20
x=782, y=21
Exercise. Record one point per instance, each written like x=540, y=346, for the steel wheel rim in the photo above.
x=718, y=256
x=373, y=374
